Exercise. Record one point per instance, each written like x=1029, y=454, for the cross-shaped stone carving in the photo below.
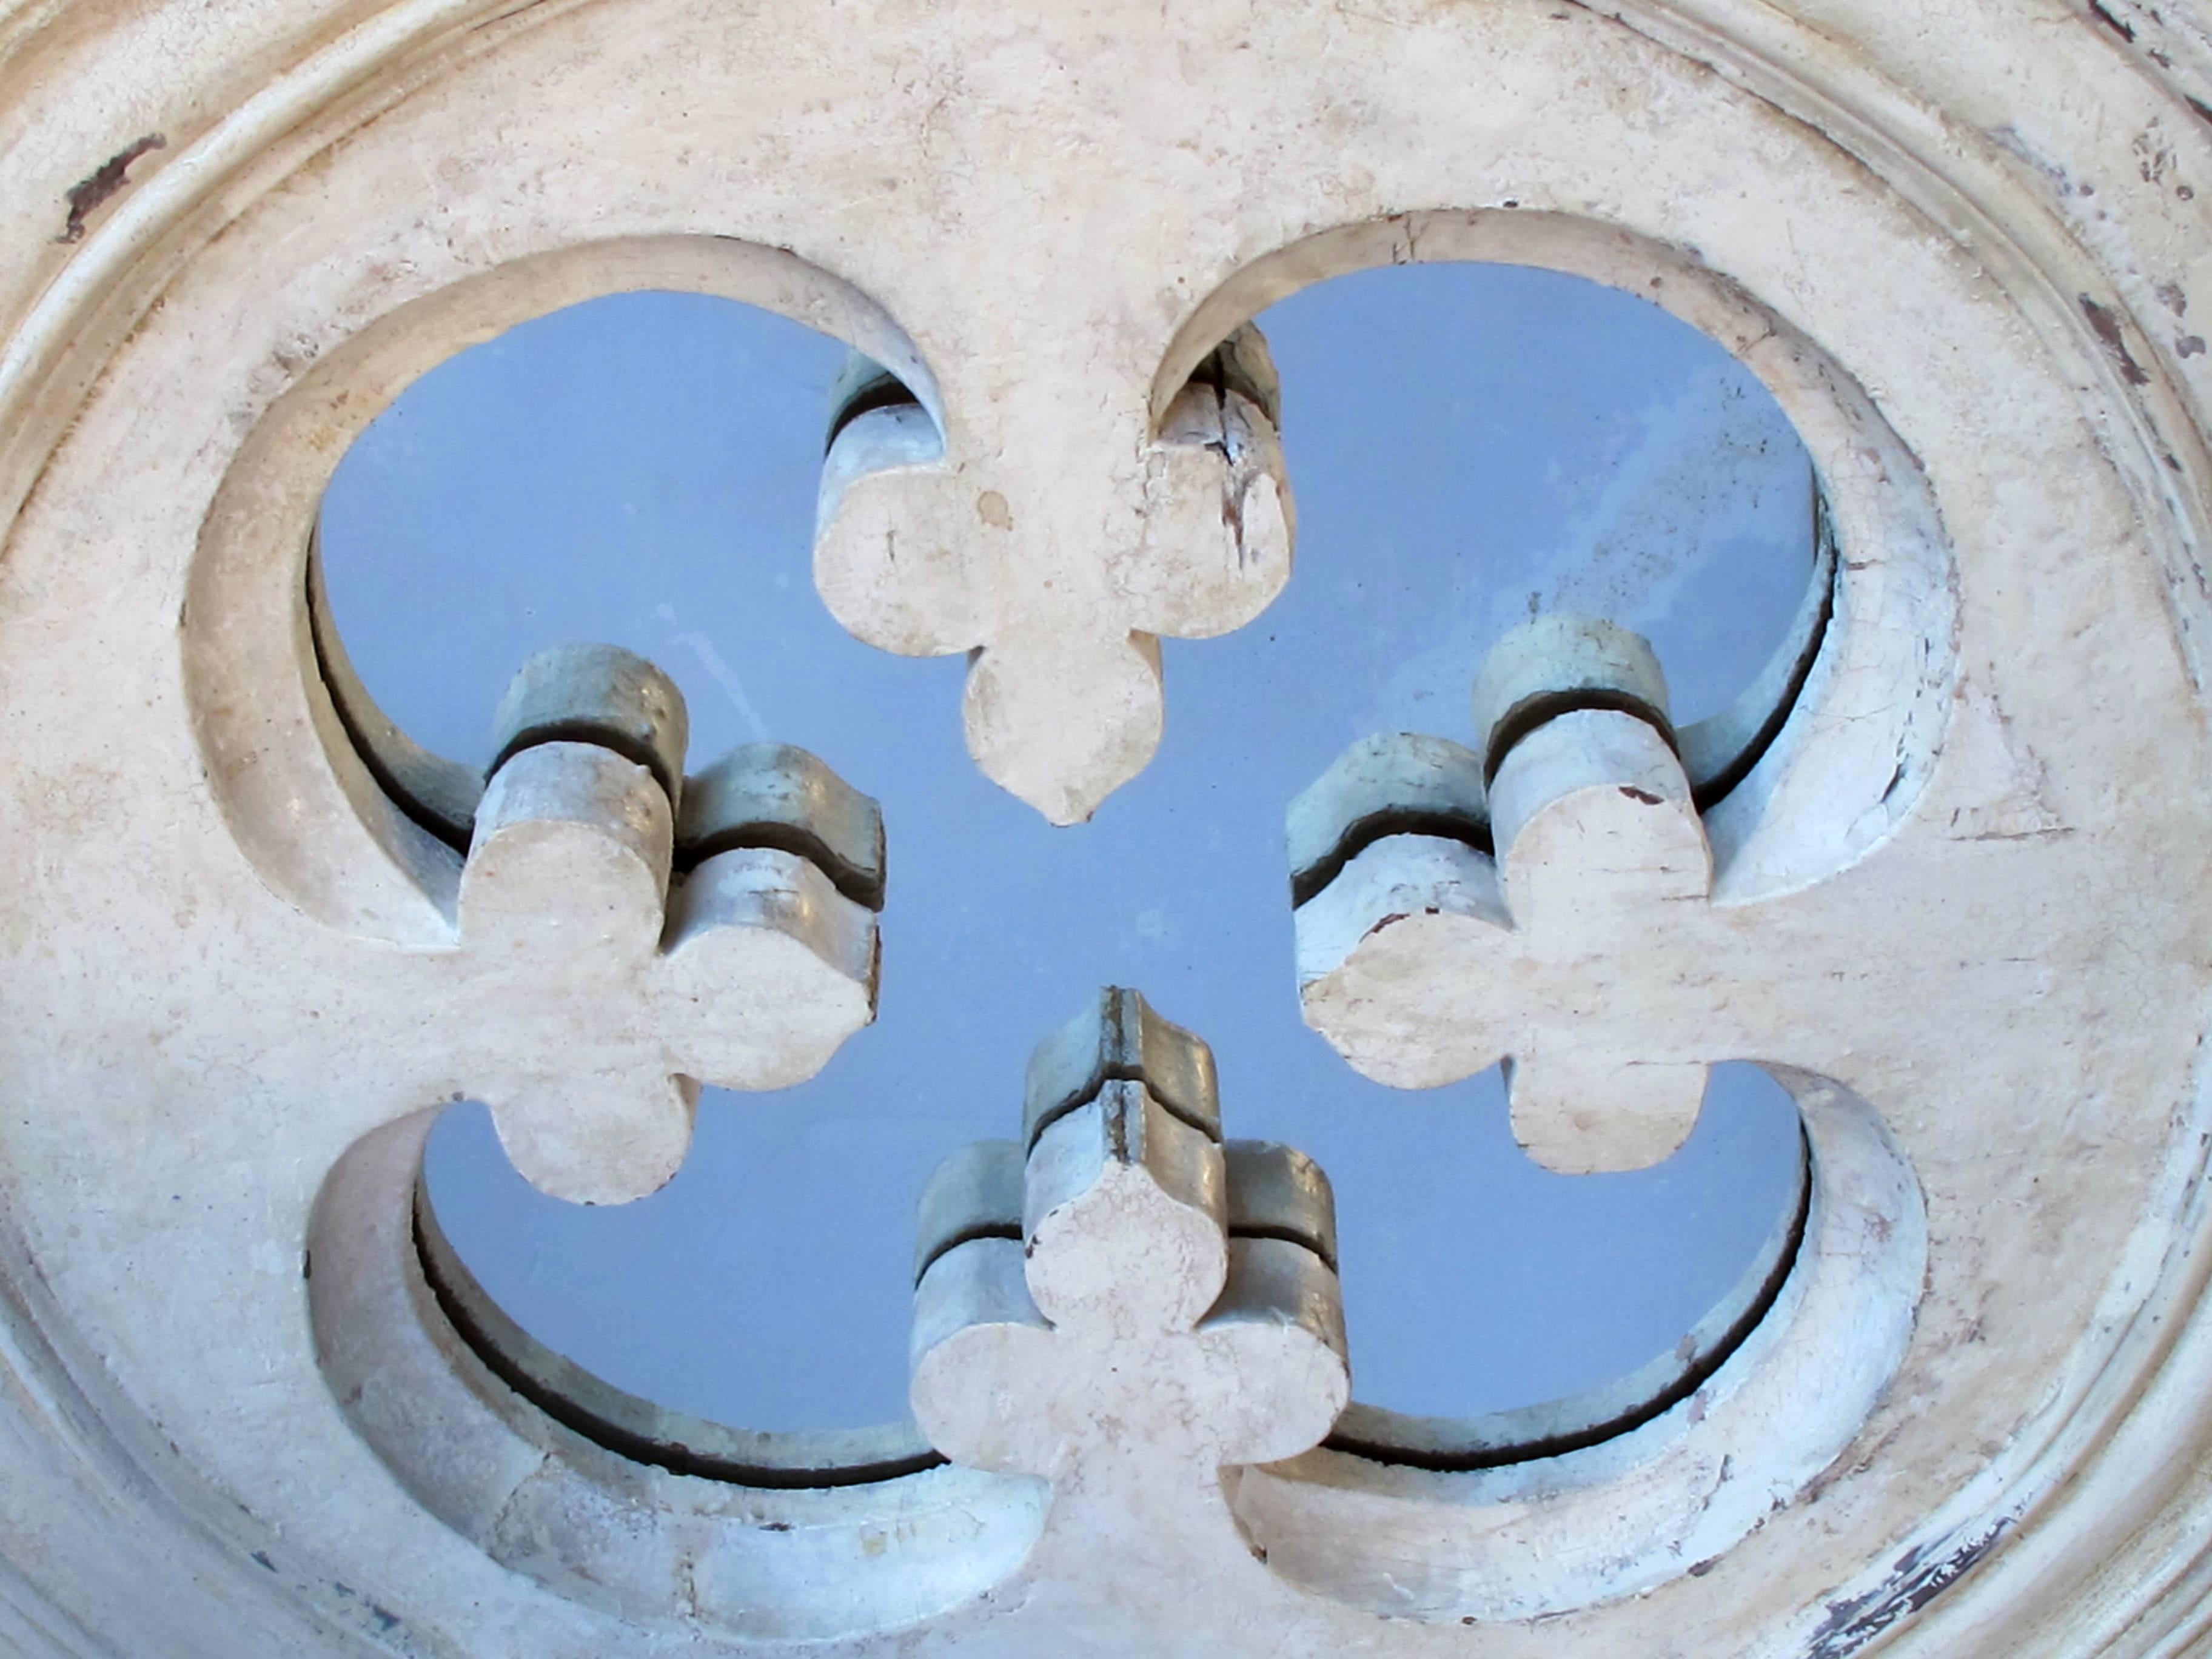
x=622, y=988
x=1056, y=546
x=1127, y=1306
x=1426, y=957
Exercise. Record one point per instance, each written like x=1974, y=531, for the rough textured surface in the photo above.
x=1961, y=902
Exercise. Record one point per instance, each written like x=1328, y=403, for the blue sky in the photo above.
x=1467, y=442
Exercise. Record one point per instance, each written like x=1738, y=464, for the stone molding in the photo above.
x=1958, y=901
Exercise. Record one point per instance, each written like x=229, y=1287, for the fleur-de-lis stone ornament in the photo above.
x=1055, y=539
x=623, y=984
x=1124, y=1306
x=1425, y=958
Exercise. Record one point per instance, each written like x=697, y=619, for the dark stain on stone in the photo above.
x=86, y=195
x=2106, y=323
x=2117, y=25
x=1917, y=1578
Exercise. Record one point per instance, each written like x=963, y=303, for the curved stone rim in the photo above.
x=2153, y=1346
x=637, y=1429
x=855, y=1532
x=440, y=794
x=1675, y=1488
x=1787, y=791
x=383, y=862
x=1554, y=1428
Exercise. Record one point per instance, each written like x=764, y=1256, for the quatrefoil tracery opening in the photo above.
x=1724, y=406
x=1675, y=209
x=1861, y=731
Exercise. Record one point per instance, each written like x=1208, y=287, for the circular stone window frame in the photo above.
x=1842, y=629
x=1882, y=628
x=2107, y=1523
x=300, y=795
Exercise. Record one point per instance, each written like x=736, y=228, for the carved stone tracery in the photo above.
x=1957, y=899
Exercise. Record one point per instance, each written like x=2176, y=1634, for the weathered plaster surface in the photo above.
x=1961, y=902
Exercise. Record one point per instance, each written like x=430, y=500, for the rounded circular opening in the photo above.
x=1474, y=445
x=1562, y=1280
x=781, y=1359
x=606, y=474
x=641, y=469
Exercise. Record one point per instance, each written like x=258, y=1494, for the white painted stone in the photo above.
x=773, y=794
x=1060, y=594
x=1960, y=901
x=1424, y=954
x=1560, y=654
x=751, y=979
x=600, y=694
x=1129, y=1343
x=747, y=973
